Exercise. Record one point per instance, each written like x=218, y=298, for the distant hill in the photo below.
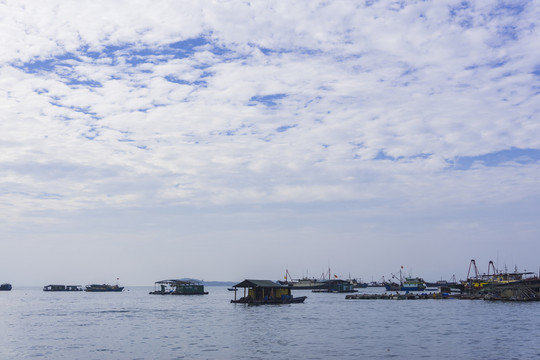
x=211, y=283
x=219, y=283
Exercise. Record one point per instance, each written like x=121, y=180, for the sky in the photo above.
x=225, y=140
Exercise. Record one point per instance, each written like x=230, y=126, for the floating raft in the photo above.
x=422, y=296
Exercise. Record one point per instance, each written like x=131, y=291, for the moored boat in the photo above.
x=5, y=287
x=476, y=282
x=306, y=283
x=337, y=286
x=392, y=286
x=413, y=284
x=103, y=288
x=405, y=284
x=178, y=287
x=259, y=292
x=62, y=288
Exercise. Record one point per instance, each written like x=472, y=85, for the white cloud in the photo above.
x=275, y=103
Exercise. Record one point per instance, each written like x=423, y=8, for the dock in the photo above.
x=398, y=296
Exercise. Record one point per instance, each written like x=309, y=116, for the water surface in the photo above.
x=136, y=325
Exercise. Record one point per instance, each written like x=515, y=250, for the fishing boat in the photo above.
x=306, y=283
x=476, y=281
x=337, y=286
x=103, y=288
x=405, y=284
x=392, y=286
x=413, y=284
x=453, y=283
x=5, y=287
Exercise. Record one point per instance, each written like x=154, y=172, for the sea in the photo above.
x=136, y=325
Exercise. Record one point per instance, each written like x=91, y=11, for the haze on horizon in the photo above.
x=232, y=139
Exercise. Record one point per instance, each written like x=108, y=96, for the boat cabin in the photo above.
x=62, y=288
x=178, y=287
x=264, y=292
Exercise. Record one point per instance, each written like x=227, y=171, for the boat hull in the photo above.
x=285, y=300
x=413, y=288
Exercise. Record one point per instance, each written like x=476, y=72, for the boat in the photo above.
x=232, y=289
x=103, y=288
x=444, y=283
x=178, y=287
x=361, y=285
x=379, y=283
x=262, y=292
x=413, y=284
x=405, y=284
x=337, y=286
x=357, y=283
x=477, y=282
x=5, y=287
x=306, y=283
x=62, y=288
x=392, y=286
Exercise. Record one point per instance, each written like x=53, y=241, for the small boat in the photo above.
x=232, y=289
x=62, y=288
x=5, y=287
x=103, y=288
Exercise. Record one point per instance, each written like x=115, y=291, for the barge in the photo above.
x=103, y=288
x=62, y=288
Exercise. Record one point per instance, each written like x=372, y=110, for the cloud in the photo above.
x=133, y=105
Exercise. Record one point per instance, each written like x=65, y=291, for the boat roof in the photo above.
x=178, y=281
x=259, y=283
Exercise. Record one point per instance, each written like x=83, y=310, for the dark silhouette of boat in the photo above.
x=103, y=288
x=5, y=287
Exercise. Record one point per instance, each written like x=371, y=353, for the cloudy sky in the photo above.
x=225, y=140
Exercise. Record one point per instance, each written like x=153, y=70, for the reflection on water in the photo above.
x=135, y=325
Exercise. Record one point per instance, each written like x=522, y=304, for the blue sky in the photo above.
x=234, y=140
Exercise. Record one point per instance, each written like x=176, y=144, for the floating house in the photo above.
x=178, y=287
x=62, y=288
x=265, y=292
x=103, y=288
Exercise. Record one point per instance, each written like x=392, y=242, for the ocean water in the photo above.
x=135, y=325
